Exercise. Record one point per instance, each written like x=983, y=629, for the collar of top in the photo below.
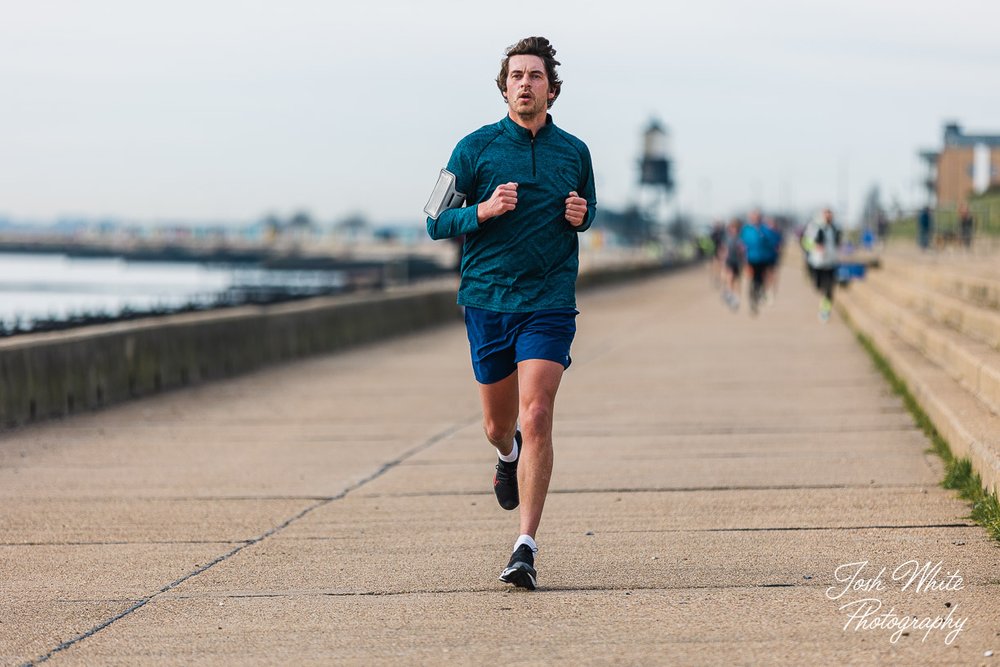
x=523, y=133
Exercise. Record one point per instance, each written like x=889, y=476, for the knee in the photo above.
x=537, y=418
x=498, y=433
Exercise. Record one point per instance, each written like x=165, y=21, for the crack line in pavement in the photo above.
x=384, y=468
x=117, y=543
x=793, y=528
x=663, y=530
x=811, y=583
x=172, y=499
x=838, y=457
x=677, y=489
x=770, y=487
x=671, y=429
x=777, y=529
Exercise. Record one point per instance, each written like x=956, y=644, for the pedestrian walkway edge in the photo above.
x=972, y=468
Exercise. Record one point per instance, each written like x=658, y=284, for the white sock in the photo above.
x=526, y=539
x=510, y=458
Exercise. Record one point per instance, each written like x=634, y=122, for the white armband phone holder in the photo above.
x=444, y=195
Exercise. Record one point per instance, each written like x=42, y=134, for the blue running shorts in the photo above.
x=498, y=341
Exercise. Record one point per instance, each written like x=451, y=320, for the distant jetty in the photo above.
x=359, y=259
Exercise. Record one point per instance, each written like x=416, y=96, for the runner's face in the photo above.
x=528, y=91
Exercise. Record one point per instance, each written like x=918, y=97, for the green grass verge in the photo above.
x=959, y=475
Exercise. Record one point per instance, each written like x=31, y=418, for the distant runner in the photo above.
x=761, y=243
x=821, y=241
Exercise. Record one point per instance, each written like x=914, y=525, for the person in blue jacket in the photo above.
x=529, y=188
x=761, y=243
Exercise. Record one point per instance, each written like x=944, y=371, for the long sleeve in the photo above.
x=457, y=221
x=588, y=191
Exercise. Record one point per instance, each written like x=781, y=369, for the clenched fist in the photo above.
x=504, y=199
x=576, y=209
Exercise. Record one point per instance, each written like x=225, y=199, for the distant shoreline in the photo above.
x=64, y=287
x=220, y=255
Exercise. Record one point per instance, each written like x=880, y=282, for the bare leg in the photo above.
x=772, y=281
x=499, y=401
x=733, y=282
x=539, y=380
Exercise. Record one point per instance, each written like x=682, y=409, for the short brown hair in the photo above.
x=532, y=46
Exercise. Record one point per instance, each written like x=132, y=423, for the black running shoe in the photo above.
x=505, y=479
x=520, y=571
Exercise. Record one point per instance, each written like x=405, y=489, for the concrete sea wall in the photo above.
x=50, y=375
x=55, y=374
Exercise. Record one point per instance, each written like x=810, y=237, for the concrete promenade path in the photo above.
x=713, y=472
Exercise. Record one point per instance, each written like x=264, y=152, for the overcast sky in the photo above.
x=224, y=110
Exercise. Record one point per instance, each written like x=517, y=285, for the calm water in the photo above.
x=55, y=286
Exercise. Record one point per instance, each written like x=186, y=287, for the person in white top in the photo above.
x=821, y=241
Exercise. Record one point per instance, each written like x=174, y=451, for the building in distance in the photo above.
x=967, y=165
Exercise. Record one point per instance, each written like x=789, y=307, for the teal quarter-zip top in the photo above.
x=526, y=259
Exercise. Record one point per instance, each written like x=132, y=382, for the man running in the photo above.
x=529, y=190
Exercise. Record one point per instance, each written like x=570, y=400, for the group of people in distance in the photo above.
x=963, y=231
x=754, y=247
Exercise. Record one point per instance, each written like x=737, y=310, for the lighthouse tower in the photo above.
x=656, y=182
